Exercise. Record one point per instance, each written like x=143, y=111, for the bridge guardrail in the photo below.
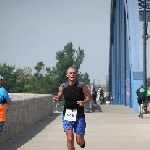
x=88, y=108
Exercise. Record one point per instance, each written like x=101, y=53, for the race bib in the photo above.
x=70, y=114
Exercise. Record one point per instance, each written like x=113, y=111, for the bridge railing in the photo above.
x=25, y=111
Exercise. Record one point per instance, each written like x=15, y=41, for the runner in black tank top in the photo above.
x=73, y=93
x=76, y=94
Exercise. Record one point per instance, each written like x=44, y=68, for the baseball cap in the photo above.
x=1, y=77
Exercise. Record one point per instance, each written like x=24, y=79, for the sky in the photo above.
x=32, y=31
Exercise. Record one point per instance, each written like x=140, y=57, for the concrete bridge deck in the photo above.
x=108, y=128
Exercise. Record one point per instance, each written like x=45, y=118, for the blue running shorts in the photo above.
x=1, y=127
x=78, y=126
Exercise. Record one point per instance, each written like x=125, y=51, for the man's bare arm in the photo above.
x=60, y=93
x=59, y=96
x=87, y=94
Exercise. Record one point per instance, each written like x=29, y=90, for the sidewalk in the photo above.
x=108, y=128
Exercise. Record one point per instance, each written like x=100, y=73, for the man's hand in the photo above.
x=56, y=99
x=80, y=103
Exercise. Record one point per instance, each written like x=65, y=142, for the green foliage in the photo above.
x=148, y=82
x=45, y=79
x=67, y=58
x=8, y=73
x=84, y=78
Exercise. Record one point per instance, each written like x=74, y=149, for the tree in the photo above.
x=38, y=80
x=69, y=57
x=84, y=78
x=51, y=80
x=9, y=78
x=148, y=82
x=40, y=68
x=45, y=79
x=28, y=80
x=78, y=59
x=19, y=81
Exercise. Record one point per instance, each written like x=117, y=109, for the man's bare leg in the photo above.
x=80, y=139
x=70, y=139
x=140, y=111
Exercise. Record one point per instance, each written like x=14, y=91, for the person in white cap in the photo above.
x=4, y=100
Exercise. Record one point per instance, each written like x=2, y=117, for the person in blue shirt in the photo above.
x=4, y=100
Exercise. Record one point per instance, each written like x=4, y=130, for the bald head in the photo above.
x=71, y=68
x=71, y=74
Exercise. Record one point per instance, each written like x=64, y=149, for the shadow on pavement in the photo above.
x=97, y=108
x=24, y=137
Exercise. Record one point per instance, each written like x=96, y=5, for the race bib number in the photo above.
x=70, y=114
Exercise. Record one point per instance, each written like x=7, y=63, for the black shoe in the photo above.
x=83, y=145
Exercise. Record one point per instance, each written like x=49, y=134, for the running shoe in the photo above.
x=83, y=145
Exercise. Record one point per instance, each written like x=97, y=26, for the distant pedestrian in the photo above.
x=102, y=95
x=4, y=100
x=94, y=95
x=141, y=96
x=111, y=99
x=148, y=94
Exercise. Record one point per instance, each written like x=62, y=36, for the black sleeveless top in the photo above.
x=72, y=94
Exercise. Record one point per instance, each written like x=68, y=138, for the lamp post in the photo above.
x=93, y=83
x=144, y=7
